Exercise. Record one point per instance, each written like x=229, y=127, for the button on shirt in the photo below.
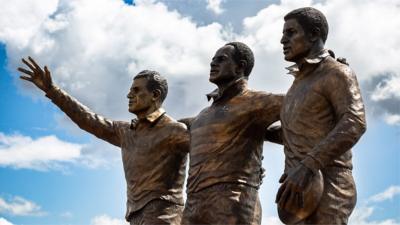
x=154, y=150
x=322, y=115
x=227, y=137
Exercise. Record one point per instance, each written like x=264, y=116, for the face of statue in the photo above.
x=296, y=44
x=223, y=65
x=140, y=98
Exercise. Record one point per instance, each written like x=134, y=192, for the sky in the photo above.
x=51, y=172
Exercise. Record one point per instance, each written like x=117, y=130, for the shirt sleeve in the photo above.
x=182, y=138
x=187, y=121
x=81, y=115
x=274, y=134
x=342, y=90
x=271, y=109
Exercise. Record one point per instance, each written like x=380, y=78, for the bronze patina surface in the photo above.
x=224, y=203
x=322, y=119
x=154, y=146
x=158, y=212
x=226, y=144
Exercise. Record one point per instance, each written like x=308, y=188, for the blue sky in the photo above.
x=53, y=173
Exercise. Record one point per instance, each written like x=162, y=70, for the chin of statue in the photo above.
x=290, y=59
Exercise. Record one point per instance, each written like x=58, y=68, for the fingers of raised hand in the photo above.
x=30, y=73
x=28, y=64
x=34, y=63
x=47, y=73
x=26, y=78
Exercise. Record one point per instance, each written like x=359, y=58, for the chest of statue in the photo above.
x=305, y=100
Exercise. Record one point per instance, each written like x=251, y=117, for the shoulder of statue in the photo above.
x=133, y=123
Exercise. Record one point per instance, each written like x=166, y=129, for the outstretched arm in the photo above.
x=187, y=121
x=270, y=116
x=274, y=134
x=80, y=114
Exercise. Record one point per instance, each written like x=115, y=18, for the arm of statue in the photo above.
x=350, y=116
x=274, y=134
x=270, y=115
x=80, y=114
x=182, y=139
x=187, y=121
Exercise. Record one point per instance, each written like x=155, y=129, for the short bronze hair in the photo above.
x=309, y=19
x=243, y=52
x=154, y=82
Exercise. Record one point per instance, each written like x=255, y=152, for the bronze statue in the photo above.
x=322, y=119
x=226, y=144
x=154, y=146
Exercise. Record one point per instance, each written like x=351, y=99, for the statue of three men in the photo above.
x=322, y=117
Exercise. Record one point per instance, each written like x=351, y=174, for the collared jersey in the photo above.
x=154, y=150
x=322, y=115
x=227, y=137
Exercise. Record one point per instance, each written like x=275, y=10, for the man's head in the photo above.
x=232, y=61
x=149, y=90
x=305, y=30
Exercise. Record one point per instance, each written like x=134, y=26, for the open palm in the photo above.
x=40, y=77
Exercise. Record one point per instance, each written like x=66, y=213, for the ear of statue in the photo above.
x=241, y=67
x=315, y=35
x=156, y=95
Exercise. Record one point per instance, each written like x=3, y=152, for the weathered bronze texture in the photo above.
x=158, y=212
x=291, y=213
x=226, y=144
x=224, y=203
x=154, y=147
x=322, y=119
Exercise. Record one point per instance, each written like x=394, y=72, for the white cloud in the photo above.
x=43, y=153
x=19, y=206
x=215, y=6
x=116, y=41
x=388, y=194
x=100, y=154
x=66, y=214
x=106, y=220
x=50, y=153
x=361, y=216
x=21, y=20
x=4, y=221
x=387, y=94
x=387, y=88
x=392, y=119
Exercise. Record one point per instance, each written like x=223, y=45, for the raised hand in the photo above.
x=41, y=78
